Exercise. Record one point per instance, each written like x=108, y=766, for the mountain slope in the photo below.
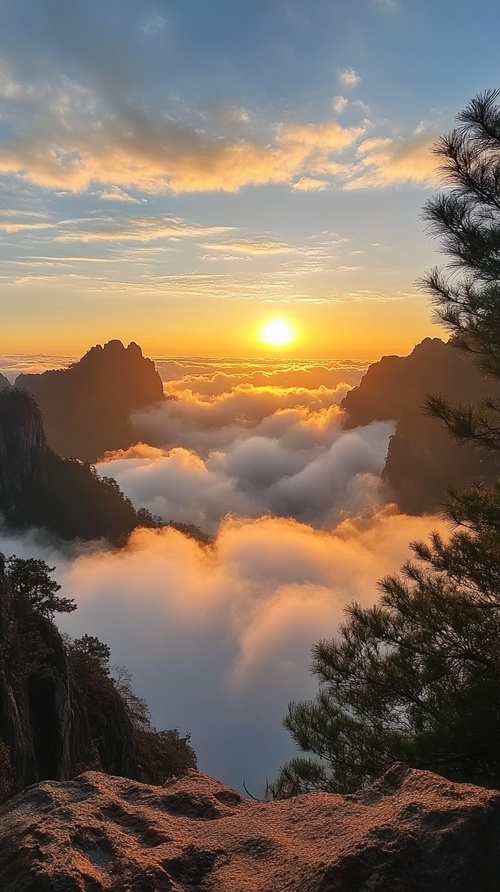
x=64, y=496
x=86, y=408
x=423, y=460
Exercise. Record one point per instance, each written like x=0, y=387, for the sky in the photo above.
x=177, y=173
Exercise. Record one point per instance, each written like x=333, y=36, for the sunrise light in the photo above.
x=278, y=332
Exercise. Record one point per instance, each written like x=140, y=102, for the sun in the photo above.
x=277, y=332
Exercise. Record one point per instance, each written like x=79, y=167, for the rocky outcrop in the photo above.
x=423, y=460
x=22, y=447
x=87, y=407
x=411, y=831
x=64, y=496
x=46, y=725
x=4, y=383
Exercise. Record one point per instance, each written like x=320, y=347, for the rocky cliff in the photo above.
x=411, y=831
x=86, y=408
x=46, y=727
x=423, y=460
x=38, y=488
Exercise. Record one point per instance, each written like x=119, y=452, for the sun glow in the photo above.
x=277, y=333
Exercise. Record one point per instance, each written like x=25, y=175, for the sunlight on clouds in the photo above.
x=199, y=626
x=396, y=160
x=78, y=142
x=141, y=229
x=310, y=184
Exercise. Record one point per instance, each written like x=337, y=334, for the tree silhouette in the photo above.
x=417, y=677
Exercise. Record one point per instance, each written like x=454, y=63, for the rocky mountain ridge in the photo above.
x=87, y=407
x=63, y=496
x=411, y=830
x=423, y=459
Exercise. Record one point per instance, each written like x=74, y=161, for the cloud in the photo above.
x=69, y=137
x=339, y=104
x=140, y=229
x=310, y=184
x=66, y=136
x=20, y=225
x=113, y=193
x=154, y=24
x=251, y=451
x=208, y=378
x=389, y=161
x=218, y=639
x=349, y=77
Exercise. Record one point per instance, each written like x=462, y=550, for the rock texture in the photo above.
x=411, y=831
x=423, y=460
x=86, y=408
x=52, y=724
x=38, y=488
x=22, y=446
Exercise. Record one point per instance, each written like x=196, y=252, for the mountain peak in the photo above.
x=87, y=407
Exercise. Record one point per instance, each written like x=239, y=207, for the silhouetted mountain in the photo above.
x=86, y=408
x=423, y=460
x=4, y=383
x=65, y=496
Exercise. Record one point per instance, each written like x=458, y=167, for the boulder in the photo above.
x=411, y=831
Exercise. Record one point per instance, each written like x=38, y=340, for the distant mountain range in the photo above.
x=423, y=460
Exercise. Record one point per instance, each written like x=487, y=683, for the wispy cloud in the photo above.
x=388, y=161
x=310, y=184
x=349, y=77
x=139, y=229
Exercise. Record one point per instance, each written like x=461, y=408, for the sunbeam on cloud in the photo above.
x=218, y=638
x=218, y=635
x=248, y=451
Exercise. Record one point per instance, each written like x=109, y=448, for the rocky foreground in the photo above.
x=410, y=831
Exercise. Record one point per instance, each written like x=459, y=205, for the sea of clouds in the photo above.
x=218, y=637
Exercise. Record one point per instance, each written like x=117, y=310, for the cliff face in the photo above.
x=22, y=447
x=45, y=721
x=86, y=408
x=38, y=488
x=410, y=831
x=423, y=460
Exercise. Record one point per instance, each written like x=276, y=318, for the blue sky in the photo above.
x=177, y=172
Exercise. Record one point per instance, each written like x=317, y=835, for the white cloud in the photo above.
x=349, y=77
x=339, y=104
x=310, y=184
x=218, y=639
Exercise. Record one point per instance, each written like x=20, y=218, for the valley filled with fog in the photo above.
x=217, y=637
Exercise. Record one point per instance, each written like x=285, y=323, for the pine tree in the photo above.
x=417, y=677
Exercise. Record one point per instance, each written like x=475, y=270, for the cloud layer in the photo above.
x=218, y=639
x=249, y=451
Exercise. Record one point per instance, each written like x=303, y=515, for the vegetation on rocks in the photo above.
x=417, y=677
